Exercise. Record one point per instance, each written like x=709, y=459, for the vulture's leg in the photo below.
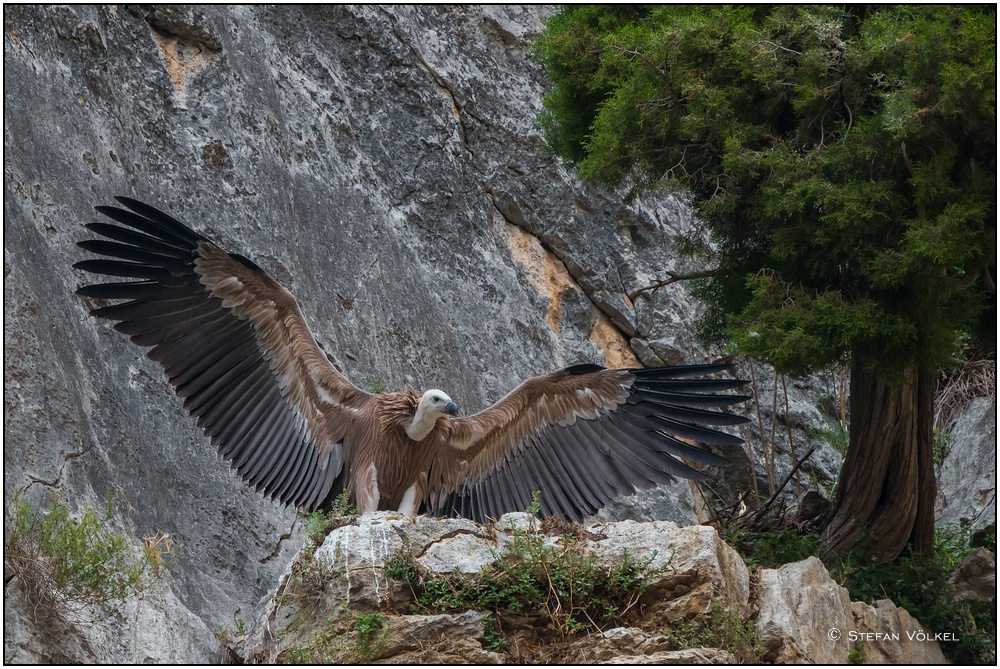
x=366, y=495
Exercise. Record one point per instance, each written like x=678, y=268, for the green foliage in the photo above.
x=843, y=158
x=535, y=507
x=377, y=386
x=719, y=628
x=360, y=645
x=941, y=448
x=402, y=568
x=919, y=584
x=856, y=655
x=772, y=549
x=321, y=522
x=573, y=590
x=493, y=638
x=75, y=567
x=986, y=540
x=366, y=626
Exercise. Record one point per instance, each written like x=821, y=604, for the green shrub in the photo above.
x=574, y=591
x=719, y=628
x=493, y=638
x=919, y=584
x=856, y=655
x=76, y=567
x=320, y=523
x=771, y=550
x=367, y=625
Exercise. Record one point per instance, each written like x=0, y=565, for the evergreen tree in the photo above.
x=844, y=161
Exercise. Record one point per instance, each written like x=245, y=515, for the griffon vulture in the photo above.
x=236, y=347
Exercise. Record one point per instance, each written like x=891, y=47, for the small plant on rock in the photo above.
x=573, y=591
x=77, y=568
x=361, y=644
x=719, y=628
x=320, y=523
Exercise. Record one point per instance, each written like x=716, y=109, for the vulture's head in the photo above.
x=437, y=401
x=434, y=404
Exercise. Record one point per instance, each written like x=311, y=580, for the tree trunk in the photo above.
x=885, y=498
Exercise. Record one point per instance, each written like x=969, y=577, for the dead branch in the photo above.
x=673, y=276
x=760, y=513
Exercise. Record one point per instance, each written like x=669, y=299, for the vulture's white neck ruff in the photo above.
x=428, y=411
x=423, y=421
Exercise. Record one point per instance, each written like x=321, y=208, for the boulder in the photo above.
x=698, y=570
x=435, y=639
x=976, y=577
x=806, y=617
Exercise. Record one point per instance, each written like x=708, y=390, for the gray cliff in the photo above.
x=383, y=164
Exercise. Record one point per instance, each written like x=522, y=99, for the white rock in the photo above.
x=967, y=484
x=699, y=568
x=805, y=617
x=518, y=520
x=358, y=552
x=686, y=656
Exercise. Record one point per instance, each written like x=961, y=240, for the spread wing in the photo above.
x=581, y=437
x=234, y=345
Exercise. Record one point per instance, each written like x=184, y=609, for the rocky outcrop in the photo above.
x=699, y=571
x=976, y=577
x=967, y=482
x=805, y=617
x=795, y=614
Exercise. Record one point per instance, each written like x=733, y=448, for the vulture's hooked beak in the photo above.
x=451, y=409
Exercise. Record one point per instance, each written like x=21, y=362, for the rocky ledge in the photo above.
x=391, y=589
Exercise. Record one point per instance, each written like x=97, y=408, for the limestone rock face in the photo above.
x=805, y=617
x=629, y=645
x=968, y=477
x=700, y=570
x=686, y=656
x=436, y=639
x=157, y=629
x=381, y=162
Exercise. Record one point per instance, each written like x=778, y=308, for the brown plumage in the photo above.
x=235, y=346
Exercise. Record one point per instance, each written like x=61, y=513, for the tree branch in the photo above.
x=760, y=513
x=673, y=277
